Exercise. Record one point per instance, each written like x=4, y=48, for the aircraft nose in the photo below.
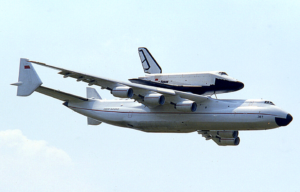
x=282, y=121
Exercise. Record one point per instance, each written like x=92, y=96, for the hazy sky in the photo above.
x=44, y=146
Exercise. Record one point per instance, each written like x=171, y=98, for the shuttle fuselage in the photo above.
x=202, y=83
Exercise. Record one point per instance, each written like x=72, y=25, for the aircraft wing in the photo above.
x=59, y=94
x=172, y=96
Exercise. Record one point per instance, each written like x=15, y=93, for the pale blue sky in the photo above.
x=46, y=147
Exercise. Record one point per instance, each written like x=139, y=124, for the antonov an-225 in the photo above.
x=153, y=109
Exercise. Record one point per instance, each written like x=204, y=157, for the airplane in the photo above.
x=159, y=110
x=202, y=83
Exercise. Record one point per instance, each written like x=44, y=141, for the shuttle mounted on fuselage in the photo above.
x=201, y=83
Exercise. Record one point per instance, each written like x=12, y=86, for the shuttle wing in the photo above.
x=172, y=96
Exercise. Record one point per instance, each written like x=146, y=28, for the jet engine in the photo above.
x=229, y=141
x=223, y=138
x=123, y=92
x=227, y=138
x=186, y=106
x=154, y=100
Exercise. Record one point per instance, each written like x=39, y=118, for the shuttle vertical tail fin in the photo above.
x=148, y=62
x=29, y=80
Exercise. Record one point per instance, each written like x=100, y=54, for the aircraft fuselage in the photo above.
x=211, y=115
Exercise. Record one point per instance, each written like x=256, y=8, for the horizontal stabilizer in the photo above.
x=28, y=79
x=149, y=63
x=92, y=121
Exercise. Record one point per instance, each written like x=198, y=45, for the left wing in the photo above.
x=142, y=93
x=63, y=96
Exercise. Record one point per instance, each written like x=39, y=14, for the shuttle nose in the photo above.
x=239, y=85
x=282, y=121
x=228, y=85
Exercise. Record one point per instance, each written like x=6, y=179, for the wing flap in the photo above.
x=103, y=82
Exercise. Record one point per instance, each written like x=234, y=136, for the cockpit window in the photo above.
x=223, y=73
x=269, y=102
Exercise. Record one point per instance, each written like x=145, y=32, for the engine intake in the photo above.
x=123, y=92
x=186, y=106
x=154, y=100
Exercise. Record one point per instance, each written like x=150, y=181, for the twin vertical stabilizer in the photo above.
x=29, y=81
x=91, y=93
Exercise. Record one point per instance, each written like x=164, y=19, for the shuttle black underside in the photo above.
x=221, y=86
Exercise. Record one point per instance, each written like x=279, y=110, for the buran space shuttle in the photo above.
x=201, y=83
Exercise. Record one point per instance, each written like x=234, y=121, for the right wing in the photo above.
x=149, y=63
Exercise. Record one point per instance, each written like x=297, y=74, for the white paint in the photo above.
x=196, y=79
x=210, y=115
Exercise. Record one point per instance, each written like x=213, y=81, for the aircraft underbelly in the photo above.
x=190, y=123
x=183, y=122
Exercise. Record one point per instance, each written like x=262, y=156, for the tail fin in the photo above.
x=149, y=63
x=28, y=79
x=91, y=93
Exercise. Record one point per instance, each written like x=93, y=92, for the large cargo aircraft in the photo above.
x=201, y=83
x=155, y=109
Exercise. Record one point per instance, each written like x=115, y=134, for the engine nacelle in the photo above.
x=228, y=134
x=154, y=100
x=123, y=92
x=229, y=141
x=186, y=106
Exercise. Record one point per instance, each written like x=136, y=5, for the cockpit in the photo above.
x=222, y=73
x=269, y=102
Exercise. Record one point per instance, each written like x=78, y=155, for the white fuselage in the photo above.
x=210, y=115
x=194, y=79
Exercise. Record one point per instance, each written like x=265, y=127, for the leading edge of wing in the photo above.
x=110, y=83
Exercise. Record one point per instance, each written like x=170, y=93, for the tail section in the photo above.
x=148, y=62
x=29, y=80
x=91, y=93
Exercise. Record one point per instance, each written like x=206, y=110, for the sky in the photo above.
x=44, y=146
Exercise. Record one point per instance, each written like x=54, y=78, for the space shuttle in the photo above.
x=201, y=83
